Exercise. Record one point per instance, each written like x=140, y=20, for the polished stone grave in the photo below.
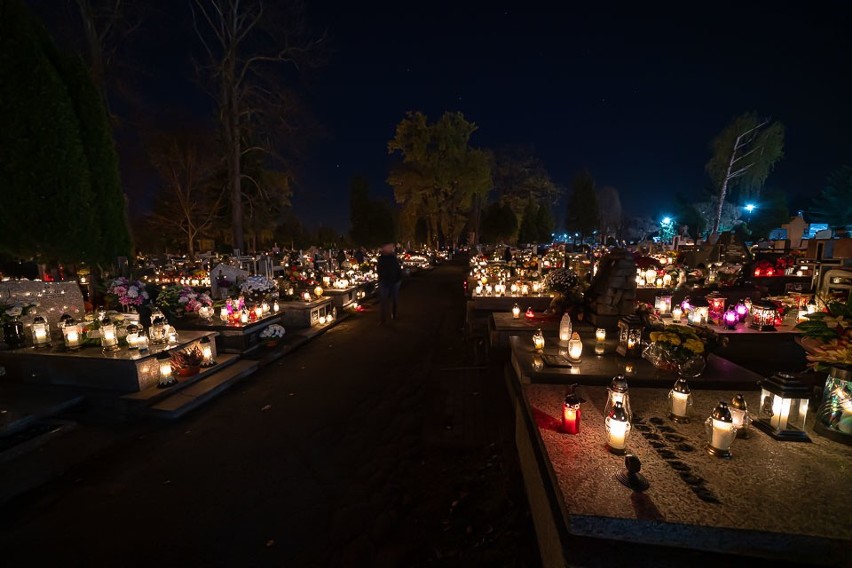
x=233, y=337
x=301, y=314
x=772, y=499
x=342, y=297
x=503, y=325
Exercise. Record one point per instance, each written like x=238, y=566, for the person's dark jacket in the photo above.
x=389, y=270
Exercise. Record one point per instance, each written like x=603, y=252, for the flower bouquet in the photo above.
x=180, y=301
x=257, y=288
x=272, y=334
x=11, y=311
x=682, y=348
x=567, y=288
x=827, y=338
x=127, y=293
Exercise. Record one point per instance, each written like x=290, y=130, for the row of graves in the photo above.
x=680, y=412
x=166, y=343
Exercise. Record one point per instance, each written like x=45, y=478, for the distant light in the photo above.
x=750, y=207
x=667, y=220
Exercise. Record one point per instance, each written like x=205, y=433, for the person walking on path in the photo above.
x=390, y=278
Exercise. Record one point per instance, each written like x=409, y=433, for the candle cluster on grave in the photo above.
x=724, y=422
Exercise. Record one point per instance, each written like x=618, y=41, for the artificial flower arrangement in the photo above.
x=186, y=361
x=682, y=348
x=128, y=292
x=827, y=336
x=182, y=300
x=257, y=287
x=567, y=287
x=10, y=311
x=272, y=332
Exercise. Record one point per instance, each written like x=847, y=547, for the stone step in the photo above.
x=153, y=394
x=202, y=391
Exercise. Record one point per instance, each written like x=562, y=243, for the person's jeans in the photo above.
x=388, y=298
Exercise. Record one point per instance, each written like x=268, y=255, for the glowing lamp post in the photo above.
x=720, y=430
x=680, y=400
x=783, y=408
x=617, y=429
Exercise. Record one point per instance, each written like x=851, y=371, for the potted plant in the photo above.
x=187, y=362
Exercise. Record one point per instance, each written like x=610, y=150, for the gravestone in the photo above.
x=228, y=275
x=52, y=298
x=613, y=289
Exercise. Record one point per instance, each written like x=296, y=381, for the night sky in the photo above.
x=633, y=94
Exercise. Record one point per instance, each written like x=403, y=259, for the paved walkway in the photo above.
x=369, y=446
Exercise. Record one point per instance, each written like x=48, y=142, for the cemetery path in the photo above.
x=368, y=446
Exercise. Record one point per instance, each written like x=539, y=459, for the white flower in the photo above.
x=14, y=312
x=132, y=292
x=183, y=299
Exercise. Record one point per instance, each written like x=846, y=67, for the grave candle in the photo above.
x=600, y=334
x=571, y=413
x=617, y=429
x=680, y=399
x=721, y=431
x=516, y=312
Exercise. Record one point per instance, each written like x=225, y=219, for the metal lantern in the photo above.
x=680, y=400
x=575, y=348
x=618, y=392
x=763, y=314
x=109, y=339
x=720, y=430
x=41, y=332
x=72, y=334
x=740, y=415
x=565, y=329
x=663, y=303
x=571, y=412
x=244, y=316
x=516, y=312
x=730, y=318
x=617, y=429
x=538, y=341
x=164, y=361
x=206, y=352
x=132, y=336
x=629, y=336
x=650, y=276
x=159, y=330
x=834, y=416
x=677, y=313
x=783, y=408
x=716, y=309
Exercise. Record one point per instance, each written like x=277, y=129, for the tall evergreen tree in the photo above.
x=833, y=205
x=528, y=231
x=582, y=216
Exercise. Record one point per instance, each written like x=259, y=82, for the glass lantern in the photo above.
x=763, y=314
x=650, y=276
x=600, y=335
x=530, y=314
x=730, y=318
x=740, y=415
x=575, y=348
x=318, y=291
x=159, y=330
x=41, y=332
x=618, y=392
x=109, y=339
x=206, y=352
x=680, y=399
x=258, y=312
x=571, y=412
x=538, y=341
x=72, y=334
x=700, y=314
x=629, y=336
x=132, y=336
x=164, y=362
x=663, y=303
x=677, y=314
x=783, y=408
x=742, y=310
x=275, y=307
x=525, y=289
x=617, y=429
x=716, y=308
x=720, y=430
x=565, y=329
x=516, y=312
x=834, y=416
x=224, y=315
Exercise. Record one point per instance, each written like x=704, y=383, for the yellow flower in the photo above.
x=656, y=335
x=694, y=345
x=672, y=338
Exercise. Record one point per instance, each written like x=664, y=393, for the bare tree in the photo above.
x=242, y=40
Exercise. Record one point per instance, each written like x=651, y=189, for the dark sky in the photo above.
x=633, y=94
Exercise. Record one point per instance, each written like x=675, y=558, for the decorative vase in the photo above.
x=834, y=415
x=13, y=334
